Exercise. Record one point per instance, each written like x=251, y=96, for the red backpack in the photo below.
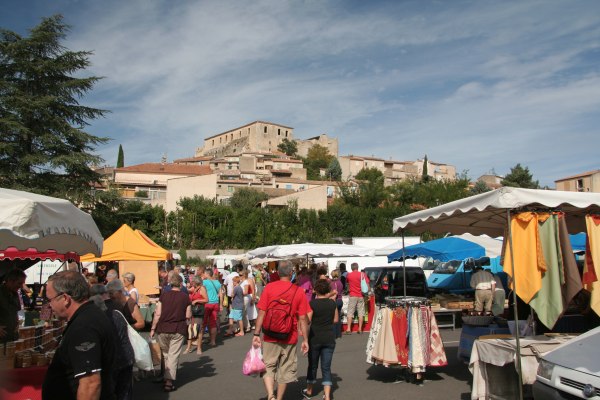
x=278, y=322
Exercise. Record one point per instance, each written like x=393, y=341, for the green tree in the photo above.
x=289, y=147
x=120, y=158
x=480, y=187
x=318, y=157
x=520, y=177
x=334, y=170
x=425, y=176
x=247, y=198
x=43, y=145
x=372, y=192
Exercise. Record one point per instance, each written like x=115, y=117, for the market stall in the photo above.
x=136, y=253
x=33, y=227
x=497, y=213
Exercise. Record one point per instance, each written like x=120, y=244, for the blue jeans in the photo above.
x=325, y=353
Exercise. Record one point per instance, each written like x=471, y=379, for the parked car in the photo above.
x=571, y=371
x=389, y=281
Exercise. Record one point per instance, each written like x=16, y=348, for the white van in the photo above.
x=572, y=370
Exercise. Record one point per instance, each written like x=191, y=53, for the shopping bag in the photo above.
x=253, y=363
x=155, y=352
x=141, y=348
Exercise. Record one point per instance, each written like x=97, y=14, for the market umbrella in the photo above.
x=444, y=249
x=33, y=221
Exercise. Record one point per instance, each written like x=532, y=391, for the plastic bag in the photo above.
x=141, y=348
x=253, y=363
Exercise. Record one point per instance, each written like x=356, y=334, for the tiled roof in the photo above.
x=193, y=159
x=168, y=168
x=579, y=175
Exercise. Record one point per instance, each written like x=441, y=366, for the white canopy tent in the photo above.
x=29, y=220
x=310, y=250
x=489, y=213
x=486, y=213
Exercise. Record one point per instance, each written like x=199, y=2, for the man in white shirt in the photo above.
x=484, y=284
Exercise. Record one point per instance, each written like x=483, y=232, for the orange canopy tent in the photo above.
x=136, y=253
x=129, y=245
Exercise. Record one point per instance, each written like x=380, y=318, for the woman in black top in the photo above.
x=321, y=338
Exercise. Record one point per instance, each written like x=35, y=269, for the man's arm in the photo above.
x=304, y=329
x=256, y=342
x=89, y=387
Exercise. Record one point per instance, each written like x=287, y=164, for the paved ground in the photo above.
x=217, y=374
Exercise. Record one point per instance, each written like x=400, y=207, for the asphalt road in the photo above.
x=217, y=374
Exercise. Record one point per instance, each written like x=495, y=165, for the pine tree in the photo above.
x=425, y=176
x=520, y=177
x=43, y=145
x=120, y=158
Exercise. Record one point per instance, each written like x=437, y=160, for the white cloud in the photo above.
x=474, y=84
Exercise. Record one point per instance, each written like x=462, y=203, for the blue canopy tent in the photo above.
x=445, y=249
x=578, y=242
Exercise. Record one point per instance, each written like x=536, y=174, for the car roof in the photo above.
x=579, y=353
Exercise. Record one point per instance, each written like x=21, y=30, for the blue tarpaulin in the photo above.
x=578, y=242
x=445, y=249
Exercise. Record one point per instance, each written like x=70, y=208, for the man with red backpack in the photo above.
x=282, y=308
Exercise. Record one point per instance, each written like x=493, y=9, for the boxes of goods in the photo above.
x=460, y=305
x=23, y=359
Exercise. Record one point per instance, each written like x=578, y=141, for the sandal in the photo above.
x=305, y=394
x=169, y=388
x=239, y=334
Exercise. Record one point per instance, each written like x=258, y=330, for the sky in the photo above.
x=481, y=85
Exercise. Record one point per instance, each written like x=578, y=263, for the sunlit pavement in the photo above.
x=217, y=374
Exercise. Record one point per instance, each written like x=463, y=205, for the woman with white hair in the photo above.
x=129, y=282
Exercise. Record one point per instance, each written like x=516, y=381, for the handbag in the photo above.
x=198, y=310
x=141, y=348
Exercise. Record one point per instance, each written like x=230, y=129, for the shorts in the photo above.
x=355, y=303
x=236, y=315
x=210, y=315
x=281, y=361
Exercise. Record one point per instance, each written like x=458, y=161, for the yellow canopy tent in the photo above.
x=136, y=253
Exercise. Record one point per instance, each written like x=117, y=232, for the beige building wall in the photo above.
x=143, y=179
x=586, y=182
x=331, y=144
x=258, y=136
x=310, y=199
x=352, y=165
x=179, y=188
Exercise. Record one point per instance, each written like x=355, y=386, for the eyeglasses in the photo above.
x=51, y=299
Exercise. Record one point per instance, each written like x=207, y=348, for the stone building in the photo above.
x=258, y=136
x=585, y=182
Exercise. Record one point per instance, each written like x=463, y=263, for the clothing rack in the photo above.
x=403, y=301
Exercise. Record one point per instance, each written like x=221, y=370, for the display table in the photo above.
x=452, y=313
x=489, y=356
x=470, y=333
x=369, y=317
x=22, y=383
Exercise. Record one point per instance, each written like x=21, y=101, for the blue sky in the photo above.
x=480, y=84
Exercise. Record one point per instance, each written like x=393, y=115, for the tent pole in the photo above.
x=515, y=308
x=403, y=264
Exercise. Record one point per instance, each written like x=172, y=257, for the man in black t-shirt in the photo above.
x=82, y=365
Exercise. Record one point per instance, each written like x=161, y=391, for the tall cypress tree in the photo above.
x=43, y=144
x=425, y=176
x=120, y=158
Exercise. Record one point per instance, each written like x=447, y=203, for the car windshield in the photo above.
x=430, y=264
x=448, y=267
